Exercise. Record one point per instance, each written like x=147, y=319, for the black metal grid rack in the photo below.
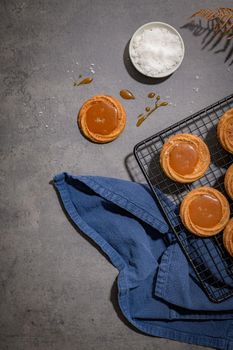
x=212, y=264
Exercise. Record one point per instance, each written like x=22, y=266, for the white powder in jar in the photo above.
x=156, y=50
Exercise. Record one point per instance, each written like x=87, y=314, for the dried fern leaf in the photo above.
x=225, y=19
x=224, y=11
x=208, y=14
x=221, y=17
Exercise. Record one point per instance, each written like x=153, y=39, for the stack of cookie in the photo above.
x=185, y=158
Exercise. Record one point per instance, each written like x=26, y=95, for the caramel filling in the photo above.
x=205, y=211
x=101, y=118
x=183, y=158
x=127, y=95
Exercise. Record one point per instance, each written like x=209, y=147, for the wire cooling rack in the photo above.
x=208, y=257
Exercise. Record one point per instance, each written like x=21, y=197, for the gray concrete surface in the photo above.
x=56, y=290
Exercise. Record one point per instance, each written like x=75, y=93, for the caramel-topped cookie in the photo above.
x=228, y=181
x=228, y=237
x=205, y=211
x=184, y=158
x=102, y=118
x=225, y=130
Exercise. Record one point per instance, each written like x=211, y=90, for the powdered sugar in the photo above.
x=156, y=50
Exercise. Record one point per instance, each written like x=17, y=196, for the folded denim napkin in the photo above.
x=157, y=289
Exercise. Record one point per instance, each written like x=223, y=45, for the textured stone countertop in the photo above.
x=57, y=290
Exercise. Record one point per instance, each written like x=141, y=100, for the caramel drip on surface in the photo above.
x=151, y=95
x=101, y=118
x=205, y=211
x=127, y=95
x=183, y=158
x=85, y=81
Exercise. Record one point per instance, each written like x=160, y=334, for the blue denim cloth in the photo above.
x=157, y=289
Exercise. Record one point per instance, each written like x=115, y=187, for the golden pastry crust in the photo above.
x=202, y=231
x=228, y=181
x=203, y=154
x=228, y=237
x=225, y=130
x=121, y=119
